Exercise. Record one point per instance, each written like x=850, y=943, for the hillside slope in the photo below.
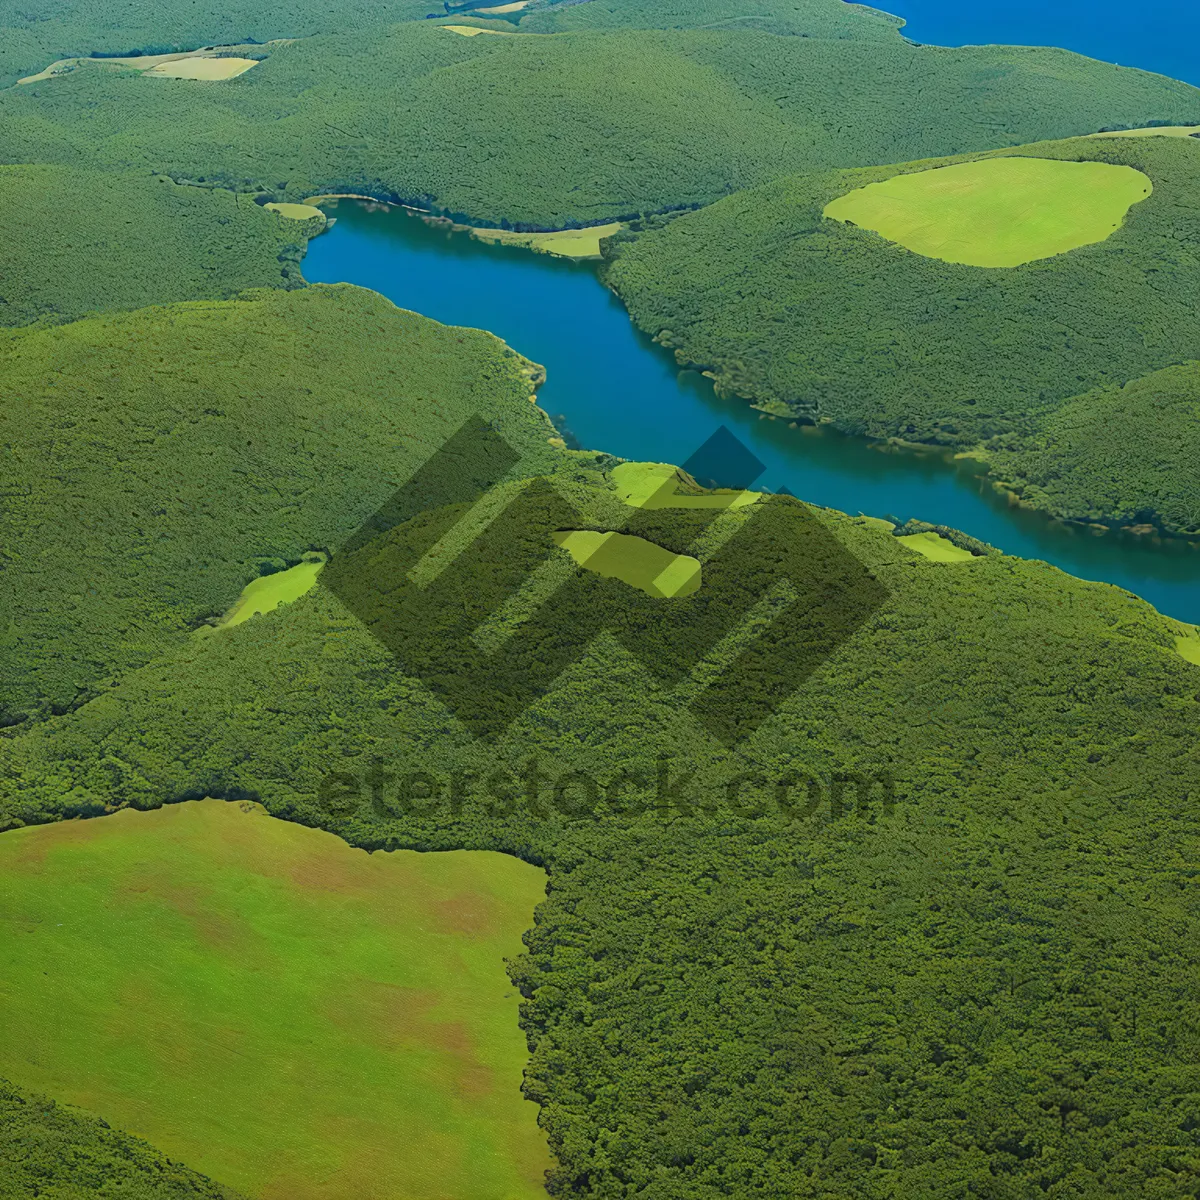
x=985, y=989
x=81, y=241
x=575, y=128
x=155, y=462
x=60, y=1153
x=817, y=319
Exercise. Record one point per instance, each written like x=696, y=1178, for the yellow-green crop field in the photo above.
x=295, y=1018
x=475, y=30
x=203, y=67
x=633, y=560
x=567, y=243
x=997, y=212
x=295, y=212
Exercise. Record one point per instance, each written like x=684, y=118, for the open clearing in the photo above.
x=294, y=212
x=186, y=64
x=204, y=68
x=293, y=1017
x=660, y=485
x=472, y=30
x=936, y=547
x=1188, y=645
x=997, y=212
x=268, y=592
x=633, y=560
x=569, y=243
x=1153, y=131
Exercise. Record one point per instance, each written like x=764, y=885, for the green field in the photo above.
x=633, y=560
x=935, y=547
x=996, y=212
x=268, y=592
x=295, y=1018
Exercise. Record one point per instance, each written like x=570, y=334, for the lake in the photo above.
x=609, y=387
x=1162, y=35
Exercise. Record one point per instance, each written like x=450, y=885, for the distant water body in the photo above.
x=1156, y=35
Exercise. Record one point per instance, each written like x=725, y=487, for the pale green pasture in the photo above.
x=633, y=560
x=293, y=1017
x=935, y=547
x=268, y=592
x=997, y=212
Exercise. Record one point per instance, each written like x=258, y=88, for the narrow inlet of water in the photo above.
x=613, y=389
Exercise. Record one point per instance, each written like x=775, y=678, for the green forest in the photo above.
x=741, y=982
x=286, y=418
x=821, y=321
x=56, y=1152
x=82, y=241
x=1121, y=455
x=508, y=130
x=993, y=997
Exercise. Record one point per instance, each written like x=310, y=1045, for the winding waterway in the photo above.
x=611, y=388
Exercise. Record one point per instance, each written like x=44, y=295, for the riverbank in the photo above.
x=611, y=388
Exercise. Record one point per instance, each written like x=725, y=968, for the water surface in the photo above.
x=611, y=388
x=1159, y=35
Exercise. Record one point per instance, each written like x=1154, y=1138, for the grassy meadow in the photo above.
x=266, y=593
x=935, y=547
x=295, y=1018
x=633, y=560
x=997, y=212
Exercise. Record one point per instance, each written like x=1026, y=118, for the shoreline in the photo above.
x=954, y=458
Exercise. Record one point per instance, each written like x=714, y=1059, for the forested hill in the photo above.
x=31, y=37
x=800, y=18
x=284, y=416
x=817, y=319
x=983, y=990
x=79, y=241
x=34, y=35
x=573, y=128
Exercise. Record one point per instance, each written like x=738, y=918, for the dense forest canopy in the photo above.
x=80, y=241
x=577, y=128
x=61, y=1153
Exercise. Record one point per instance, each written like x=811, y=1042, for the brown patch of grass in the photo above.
x=467, y=912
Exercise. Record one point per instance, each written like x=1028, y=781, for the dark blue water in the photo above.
x=1156, y=35
x=613, y=389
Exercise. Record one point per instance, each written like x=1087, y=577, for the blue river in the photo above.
x=1157, y=35
x=609, y=387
